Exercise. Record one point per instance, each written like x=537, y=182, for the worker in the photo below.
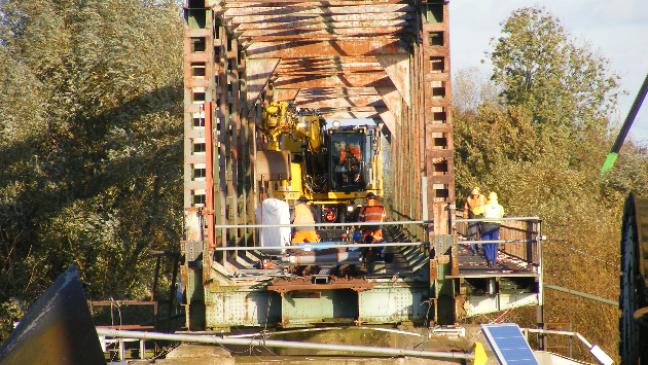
x=303, y=214
x=340, y=166
x=353, y=162
x=475, y=200
x=372, y=211
x=354, y=149
x=492, y=212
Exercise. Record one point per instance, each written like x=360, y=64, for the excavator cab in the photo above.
x=350, y=155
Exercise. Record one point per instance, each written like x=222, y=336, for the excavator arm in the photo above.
x=282, y=121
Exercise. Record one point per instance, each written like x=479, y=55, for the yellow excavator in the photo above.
x=332, y=165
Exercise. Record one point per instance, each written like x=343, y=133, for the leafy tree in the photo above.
x=540, y=147
x=90, y=144
x=469, y=90
x=539, y=67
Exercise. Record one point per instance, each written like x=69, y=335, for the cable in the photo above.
x=585, y=254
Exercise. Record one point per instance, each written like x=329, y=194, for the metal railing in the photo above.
x=348, y=224
x=311, y=246
x=519, y=236
x=106, y=342
x=250, y=342
x=596, y=351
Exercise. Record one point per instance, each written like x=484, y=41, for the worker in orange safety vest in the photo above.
x=372, y=211
x=349, y=162
x=304, y=215
x=473, y=204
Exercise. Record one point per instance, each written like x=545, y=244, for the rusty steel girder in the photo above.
x=318, y=54
x=382, y=59
x=307, y=283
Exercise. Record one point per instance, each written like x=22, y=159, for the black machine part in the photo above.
x=633, y=302
x=57, y=329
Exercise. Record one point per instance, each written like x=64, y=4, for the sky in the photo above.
x=616, y=30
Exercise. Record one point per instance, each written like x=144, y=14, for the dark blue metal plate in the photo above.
x=509, y=345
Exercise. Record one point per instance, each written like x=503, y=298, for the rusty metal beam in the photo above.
x=337, y=103
x=209, y=175
x=328, y=66
x=397, y=68
x=328, y=71
x=342, y=114
x=394, y=103
x=329, y=3
x=339, y=92
x=259, y=72
x=285, y=94
x=340, y=81
x=234, y=190
x=360, y=47
x=318, y=24
x=305, y=283
x=353, y=109
x=318, y=37
x=322, y=18
x=393, y=100
x=319, y=31
x=296, y=10
x=390, y=122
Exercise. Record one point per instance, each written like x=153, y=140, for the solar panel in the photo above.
x=508, y=344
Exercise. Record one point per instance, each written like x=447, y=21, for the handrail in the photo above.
x=222, y=340
x=306, y=246
x=350, y=224
x=385, y=223
x=596, y=351
x=483, y=242
x=503, y=219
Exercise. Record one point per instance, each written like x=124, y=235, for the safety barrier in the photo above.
x=519, y=236
x=600, y=355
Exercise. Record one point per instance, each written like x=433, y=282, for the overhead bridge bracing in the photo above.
x=382, y=59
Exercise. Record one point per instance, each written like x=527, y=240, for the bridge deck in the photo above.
x=475, y=265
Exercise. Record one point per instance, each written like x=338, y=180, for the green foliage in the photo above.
x=540, y=68
x=540, y=148
x=90, y=144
